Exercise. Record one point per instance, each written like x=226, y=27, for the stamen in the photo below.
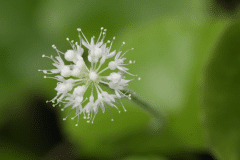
x=99, y=35
x=111, y=44
x=51, y=57
x=93, y=118
x=116, y=108
x=54, y=47
x=103, y=70
x=104, y=82
x=50, y=77
x=109, y=112
x=125, y=53
x=79, y=30
x=84, y=115
x=121, y=46
x=123, y=105
x=67, y=115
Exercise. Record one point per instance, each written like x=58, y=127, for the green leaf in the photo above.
x=221, y=92
x=15, y=152
x=169, y=56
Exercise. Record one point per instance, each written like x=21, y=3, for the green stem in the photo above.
x=157, y=117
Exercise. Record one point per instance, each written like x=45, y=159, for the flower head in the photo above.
x=75, y=77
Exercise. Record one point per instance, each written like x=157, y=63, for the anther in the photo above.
x=53, y=46
x=44, y=76
x=64, y=119
x=62, y=109
x=67, y=39
x=123, y=42
x=101, y=28
x=112, y=119
x=105, y=30
x=79, y=29
x=114, y=37
x=43, y=55
x=139, y=78
x=76, y=124
x=72, y=118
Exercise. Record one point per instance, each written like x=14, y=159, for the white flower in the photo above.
x=75, y=78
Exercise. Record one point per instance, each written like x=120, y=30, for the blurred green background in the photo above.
x=185, y=51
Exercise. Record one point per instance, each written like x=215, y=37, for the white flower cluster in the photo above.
x=75, y=78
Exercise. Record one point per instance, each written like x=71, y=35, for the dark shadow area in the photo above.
x=229, y=5
x=35, y=127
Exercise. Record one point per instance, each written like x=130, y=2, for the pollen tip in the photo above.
x=79, y=29
x=72, y=41
x=130, y=62
x=92, y=122
x=62, y=109
x=64, y=119
x=125, y=110
x=101, y=28
x=53, y=46
x=105, y=30
x=119, y=111
x=104, y=33
x=84, y=117
x=132, y=48
x=44, y=76
x=139, y=78
x=88, y=121
x=123, y=42
x=114, y=37
x=67, y=39
x=112, y=119
x=108, y=41
x=72, y=118
x=43, y=55
x=76, y=125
